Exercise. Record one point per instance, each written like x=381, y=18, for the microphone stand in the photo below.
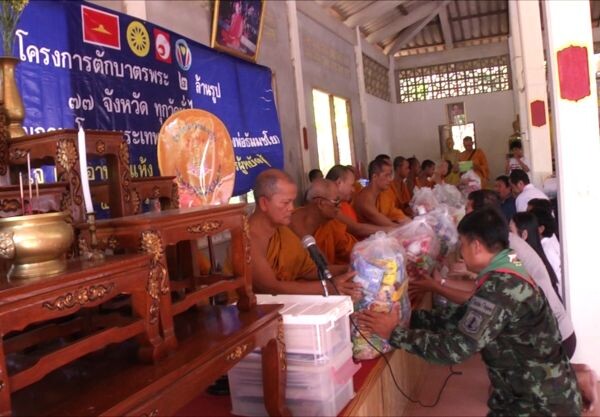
x=323, y=280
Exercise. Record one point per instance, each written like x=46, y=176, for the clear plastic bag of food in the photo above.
x=469, y=181
x=441, y=221
x=448, y=194
x=380, y=271
x=421, y=245
x=423, y=200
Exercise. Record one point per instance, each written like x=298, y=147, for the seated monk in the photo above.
x=356, y=186
x=365, y=202
x=397, y=193
x=414, y=167
x=424, y=179
x=280, y=264
x=343, y=178
x=318, y=218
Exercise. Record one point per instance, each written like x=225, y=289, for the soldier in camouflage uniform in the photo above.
x=508, y=319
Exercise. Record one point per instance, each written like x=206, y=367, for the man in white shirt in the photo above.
x=519, y=182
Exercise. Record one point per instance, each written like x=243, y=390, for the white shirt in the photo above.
x=535, y=267
x=551, y=247
x=514, y=164
x=528, y=193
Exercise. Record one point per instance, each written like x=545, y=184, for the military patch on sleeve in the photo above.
x=477, y=317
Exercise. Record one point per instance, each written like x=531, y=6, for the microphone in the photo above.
x=324, y=274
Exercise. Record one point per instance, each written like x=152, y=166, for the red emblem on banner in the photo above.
x=573, y=72
x=538, y=113
x=100, y=28
x=162, y=46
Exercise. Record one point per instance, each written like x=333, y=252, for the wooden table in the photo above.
x=162, y=188
x=212, y=340
x=60, y=147
x=153, y=232
x=24, y=303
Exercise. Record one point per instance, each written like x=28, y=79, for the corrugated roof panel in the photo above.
x=348, y=8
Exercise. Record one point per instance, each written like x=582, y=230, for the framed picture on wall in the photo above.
x=237, y=27
x=456, y=113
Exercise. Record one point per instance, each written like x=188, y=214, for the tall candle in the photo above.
x=29, y=175
x=21, y=189
x=85, y=184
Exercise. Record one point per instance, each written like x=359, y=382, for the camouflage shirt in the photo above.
x=511, y=323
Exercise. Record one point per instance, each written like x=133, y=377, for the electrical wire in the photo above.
x=389, y=366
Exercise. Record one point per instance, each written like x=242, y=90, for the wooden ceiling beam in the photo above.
x=446, y=29
x=408, y=34
x=372, y=12
x=425, y=9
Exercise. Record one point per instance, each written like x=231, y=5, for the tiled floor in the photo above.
x=464, y=395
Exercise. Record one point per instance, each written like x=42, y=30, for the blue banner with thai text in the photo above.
x=82, y=64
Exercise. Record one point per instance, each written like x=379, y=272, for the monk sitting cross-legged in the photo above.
x=365, y=202
x=344, y=178
x=280, y=264
x=318, y=218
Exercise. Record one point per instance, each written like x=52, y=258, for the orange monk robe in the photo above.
x=335, y=242
x=287, y=257
x=424, y=183
x=357, y=187
x=386, y=205
x=347, y=209
x=402, y=193
x=480, y=164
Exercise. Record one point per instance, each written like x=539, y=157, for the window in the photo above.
x=332, y=121
x=459, y=132
x=485, y=75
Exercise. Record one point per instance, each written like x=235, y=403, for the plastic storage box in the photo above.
x=316, y=328
x=311, y=390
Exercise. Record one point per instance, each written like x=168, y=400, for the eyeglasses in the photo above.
x=335, y=203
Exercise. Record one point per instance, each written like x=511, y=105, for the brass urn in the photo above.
x=36, y=244
x=12, y=104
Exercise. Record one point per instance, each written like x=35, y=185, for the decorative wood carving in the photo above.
x=151, y=243
x=125, y=174
x=205, y=227
x=18, y=153
x=9, y=204
x=7, y=246
x=237, y=353
x=80, y=297
x=247, y=239
x=100, y=147
x=136, y=203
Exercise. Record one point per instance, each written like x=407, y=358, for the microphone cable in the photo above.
x=389, y=366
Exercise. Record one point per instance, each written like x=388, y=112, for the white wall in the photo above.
x=328, y=64
x=416, y=126
x=380, y=126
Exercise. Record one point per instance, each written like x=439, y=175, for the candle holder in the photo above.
x=91, y=252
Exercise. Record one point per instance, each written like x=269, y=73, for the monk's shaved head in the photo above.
x=266, y=183
x=338, y=172
x=322, y=188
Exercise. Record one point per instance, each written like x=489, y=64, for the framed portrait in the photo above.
x=237, y=27
x=456, y=113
